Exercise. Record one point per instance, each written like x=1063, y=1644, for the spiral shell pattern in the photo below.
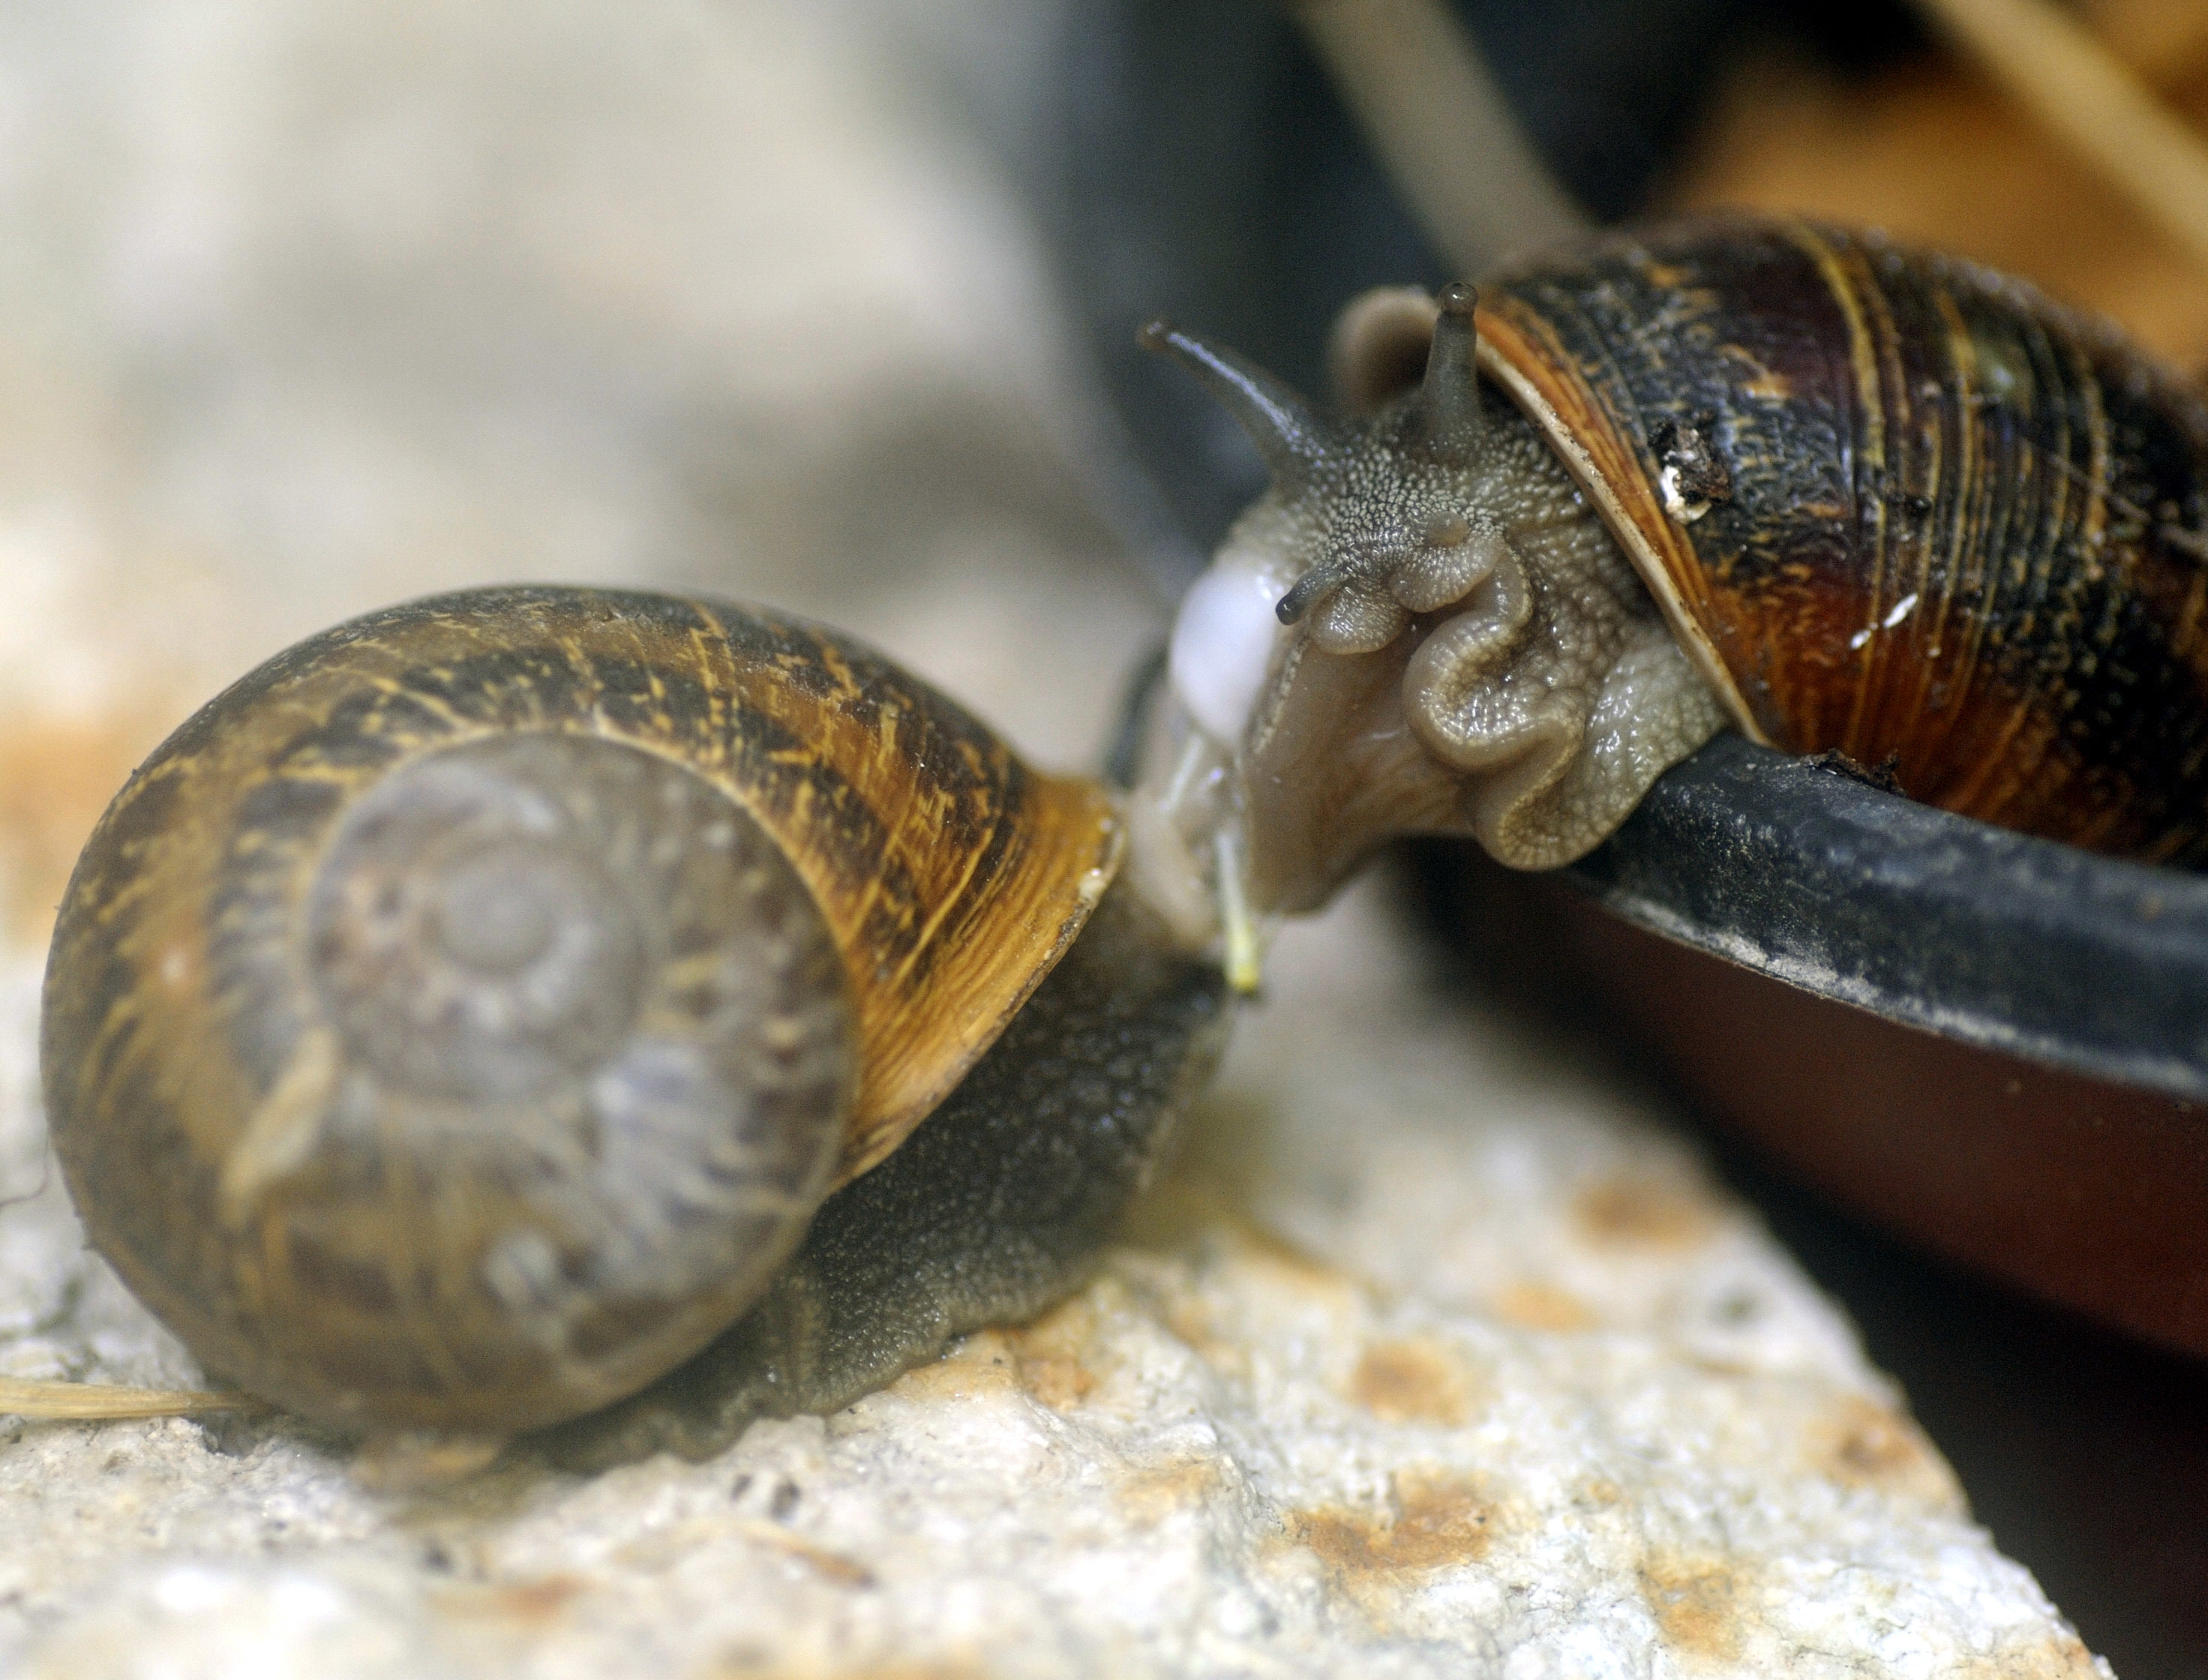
x=457, y=1023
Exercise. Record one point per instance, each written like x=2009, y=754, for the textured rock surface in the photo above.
x=1430, y=1359
x=1433, y=1358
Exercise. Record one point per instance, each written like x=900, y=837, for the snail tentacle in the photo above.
x=1294, y=439
x=1448, y=395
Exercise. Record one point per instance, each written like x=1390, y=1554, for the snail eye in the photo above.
x=1447, y=530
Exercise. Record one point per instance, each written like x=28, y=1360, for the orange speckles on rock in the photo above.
x=1419, y=1381
x=1150, y=1495
x=1060, y=1384
x=1533, y=1306
x=1434, y=1522
x=1643, y=1213
x=1696, y=1604
x=2057, y=1656
x=55, y=777
x=982, y=1363
x=1280, y=1262
x=1191, y=1320
x=1053, y=1354
x=525, y=1604
x=1861, y=1443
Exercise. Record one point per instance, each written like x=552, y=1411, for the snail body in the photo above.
x=464, y=1018
x=1839, y=496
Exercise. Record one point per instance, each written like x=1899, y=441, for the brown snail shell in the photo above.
x=455, y=1023
x=1941, y=521
x=1889, y=505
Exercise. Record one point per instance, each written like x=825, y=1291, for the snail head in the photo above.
x=1422, y=627
x=1387, y=505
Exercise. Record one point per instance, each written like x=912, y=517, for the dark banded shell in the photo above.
x=1918, y=514
x=950, y=872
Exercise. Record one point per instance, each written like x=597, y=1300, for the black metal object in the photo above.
x=1816, y=878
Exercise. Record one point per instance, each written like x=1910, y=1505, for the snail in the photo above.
x=481, y=1007
x=491, y=1003
x=1840, y=497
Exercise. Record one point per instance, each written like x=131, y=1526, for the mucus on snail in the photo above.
x=362, y=1078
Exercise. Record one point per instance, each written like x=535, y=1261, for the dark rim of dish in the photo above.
x=2018, y=945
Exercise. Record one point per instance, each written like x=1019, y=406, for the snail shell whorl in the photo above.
x=457, y=1023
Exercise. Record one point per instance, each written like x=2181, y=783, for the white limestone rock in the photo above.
x=1430, y=1359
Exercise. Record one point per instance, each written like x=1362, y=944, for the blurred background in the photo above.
x=310, y=308
x=830, y=305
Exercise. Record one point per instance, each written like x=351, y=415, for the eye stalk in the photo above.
x=1395, y=524
x=1294, y=439
x=1449, y=394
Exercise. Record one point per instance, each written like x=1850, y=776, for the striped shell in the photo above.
x=455, y=1023
x=1896, y=506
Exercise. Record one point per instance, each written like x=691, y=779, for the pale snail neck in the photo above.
x=1188, y=837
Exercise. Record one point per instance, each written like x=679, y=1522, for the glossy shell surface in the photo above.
x=1898, y=507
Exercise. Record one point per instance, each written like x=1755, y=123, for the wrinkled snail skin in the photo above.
x=1882, y=503
x=459, y=1022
